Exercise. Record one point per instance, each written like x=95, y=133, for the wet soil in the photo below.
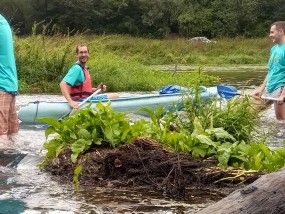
x=146, y=163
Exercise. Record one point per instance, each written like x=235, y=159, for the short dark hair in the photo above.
x=280, y=25
x=80, y=45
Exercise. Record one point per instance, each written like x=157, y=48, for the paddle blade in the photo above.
x=227, y=92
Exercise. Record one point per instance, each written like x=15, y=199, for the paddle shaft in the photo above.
x=228, y=92
x=271, y=98
x=83, y=102
x=88, y=98
x=262, y=97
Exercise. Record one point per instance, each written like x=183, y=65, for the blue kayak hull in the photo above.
x=36, y=110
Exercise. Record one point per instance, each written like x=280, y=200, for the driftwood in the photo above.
x=265, y=195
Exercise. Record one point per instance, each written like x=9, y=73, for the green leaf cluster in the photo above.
x=89, y=127
x=85, y=128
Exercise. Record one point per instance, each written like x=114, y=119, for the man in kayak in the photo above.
x=77, y=83
x=274, y=82
x=9, y=123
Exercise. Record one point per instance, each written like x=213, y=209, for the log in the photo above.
x=265, y=195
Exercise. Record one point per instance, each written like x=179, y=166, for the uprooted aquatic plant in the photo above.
x=85, y=128
x=89, y=128
x=236, y=116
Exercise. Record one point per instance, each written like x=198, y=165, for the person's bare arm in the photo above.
x=261, y=88
x=64, y=90
x=281, y=97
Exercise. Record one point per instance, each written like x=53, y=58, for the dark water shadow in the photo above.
x=11, y=206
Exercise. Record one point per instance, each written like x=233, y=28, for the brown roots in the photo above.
x=145, y=162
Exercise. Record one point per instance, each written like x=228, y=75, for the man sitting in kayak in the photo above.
x=77, y=83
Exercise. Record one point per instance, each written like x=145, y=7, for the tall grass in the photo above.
x=221, y=52
x=123, y=62
x=237, y=116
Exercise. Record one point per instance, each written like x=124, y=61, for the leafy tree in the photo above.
x=71, y=14
x=232, y=18
x=17, y=14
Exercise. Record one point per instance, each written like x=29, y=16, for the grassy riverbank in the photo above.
x=125, y=63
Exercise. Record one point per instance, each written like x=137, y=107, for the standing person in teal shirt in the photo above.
x=9, y=123
x=274, y=82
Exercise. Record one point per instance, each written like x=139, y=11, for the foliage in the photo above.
x=88, y=128
x=43, y=61
x=160, y=18
x=84, y=128
x=236, y=117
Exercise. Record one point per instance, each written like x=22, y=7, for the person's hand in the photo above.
x=102, y=87
x=74, y=104
x=257, y=93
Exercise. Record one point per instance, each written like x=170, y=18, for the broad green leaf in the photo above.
x=223, y=158
x=59, y=149
x=258, y=159
x=108, y=133
x=51, y=147
x=220, y=133
x=73, y=135
x=76, y=174
x=83, y=133
x=48, y=131
x=198, y=129
x=151, y=113
x=205, y=140
x=266, y=151
x=197, y=125
x=94, y=134
x=77, y=147
x=198, y=151
x=281, y=152
x=50, y=121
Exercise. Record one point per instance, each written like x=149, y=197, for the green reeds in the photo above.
x=124, y=62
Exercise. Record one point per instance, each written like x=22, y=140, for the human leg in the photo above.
x=112, y=95
x=4, y=111
x=13, y=118
x=9, y=122
x=279, y=111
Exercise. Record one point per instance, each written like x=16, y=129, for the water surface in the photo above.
x=25, y=189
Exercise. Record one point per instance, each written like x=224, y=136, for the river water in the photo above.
x=25, y=189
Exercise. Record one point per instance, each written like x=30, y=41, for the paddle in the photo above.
x=228, y=92
x=80, y=104
x=271, y=98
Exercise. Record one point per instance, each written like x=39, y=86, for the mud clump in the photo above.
x=145, y=162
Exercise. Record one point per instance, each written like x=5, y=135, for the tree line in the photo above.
x=154, y=19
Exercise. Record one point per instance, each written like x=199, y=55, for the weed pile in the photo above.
x=147, y=163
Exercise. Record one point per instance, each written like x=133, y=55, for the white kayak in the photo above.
x=36, y=110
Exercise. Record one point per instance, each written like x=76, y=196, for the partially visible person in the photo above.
x=77, y=83
x=274, y=82
x=9, y=123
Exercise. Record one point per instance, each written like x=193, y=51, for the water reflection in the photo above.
x=243, y=80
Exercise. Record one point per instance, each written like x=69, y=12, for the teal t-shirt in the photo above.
x=8, y=71
x=75, y=75
x=276, y=72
